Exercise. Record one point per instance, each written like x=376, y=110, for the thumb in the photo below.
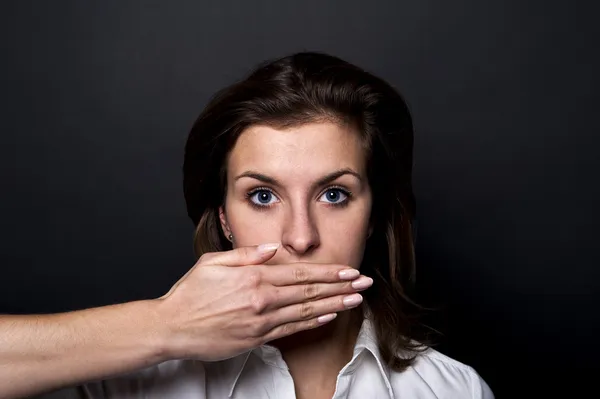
x=243, y=256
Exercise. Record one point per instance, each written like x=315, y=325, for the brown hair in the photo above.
x=308, y=87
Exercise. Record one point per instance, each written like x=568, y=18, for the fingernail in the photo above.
x=264, y=248
x=352, y=300
x=362, y=283
x=326, y=318
x=349, y=274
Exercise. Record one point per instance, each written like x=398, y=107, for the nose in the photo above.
x=300, y=234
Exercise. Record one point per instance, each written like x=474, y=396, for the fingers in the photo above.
x=280, y=275
x=309, y=310
x=292, y=328
x=241, y=256
x=305, y=273
x=307, y=315
x=293, y=294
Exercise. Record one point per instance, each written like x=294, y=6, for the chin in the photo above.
x=305, y=337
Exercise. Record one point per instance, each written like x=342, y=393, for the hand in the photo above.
x=230, y=302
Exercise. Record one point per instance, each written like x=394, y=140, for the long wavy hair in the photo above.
x=309, y=87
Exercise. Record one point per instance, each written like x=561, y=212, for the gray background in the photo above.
x=97, y=99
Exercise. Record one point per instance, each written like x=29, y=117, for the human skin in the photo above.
x=229, y=301
x=305, y=187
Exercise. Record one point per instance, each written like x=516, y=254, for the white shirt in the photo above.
x=262, y=373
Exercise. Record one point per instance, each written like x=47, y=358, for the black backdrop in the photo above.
x=97, y=100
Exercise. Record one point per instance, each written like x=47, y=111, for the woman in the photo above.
x=296, y=178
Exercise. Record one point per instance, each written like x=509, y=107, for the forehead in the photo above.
x=309, y=149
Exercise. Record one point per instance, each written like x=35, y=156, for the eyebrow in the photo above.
x=321, y=182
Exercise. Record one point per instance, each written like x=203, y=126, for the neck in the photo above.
x=315, y=357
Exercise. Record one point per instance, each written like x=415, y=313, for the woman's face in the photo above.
x=305, y=187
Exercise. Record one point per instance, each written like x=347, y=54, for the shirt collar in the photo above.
x=366, y=340
x=237, y=366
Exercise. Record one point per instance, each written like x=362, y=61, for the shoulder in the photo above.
x=182, y=379
x=173, y=378
x=443, y=377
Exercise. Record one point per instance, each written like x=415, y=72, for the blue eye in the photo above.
x=262, y=197
x=334, y=196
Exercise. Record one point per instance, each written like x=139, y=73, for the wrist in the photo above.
x=155, y=329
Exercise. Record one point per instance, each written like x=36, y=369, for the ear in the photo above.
x=223, y=220
x=370, y=231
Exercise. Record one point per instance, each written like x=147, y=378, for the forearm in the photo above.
x=39, y=353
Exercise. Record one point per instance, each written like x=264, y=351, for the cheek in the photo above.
x=342, y=233
x=345, y=239
x=252, y=227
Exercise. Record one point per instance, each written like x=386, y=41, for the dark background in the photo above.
x=97, y=100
